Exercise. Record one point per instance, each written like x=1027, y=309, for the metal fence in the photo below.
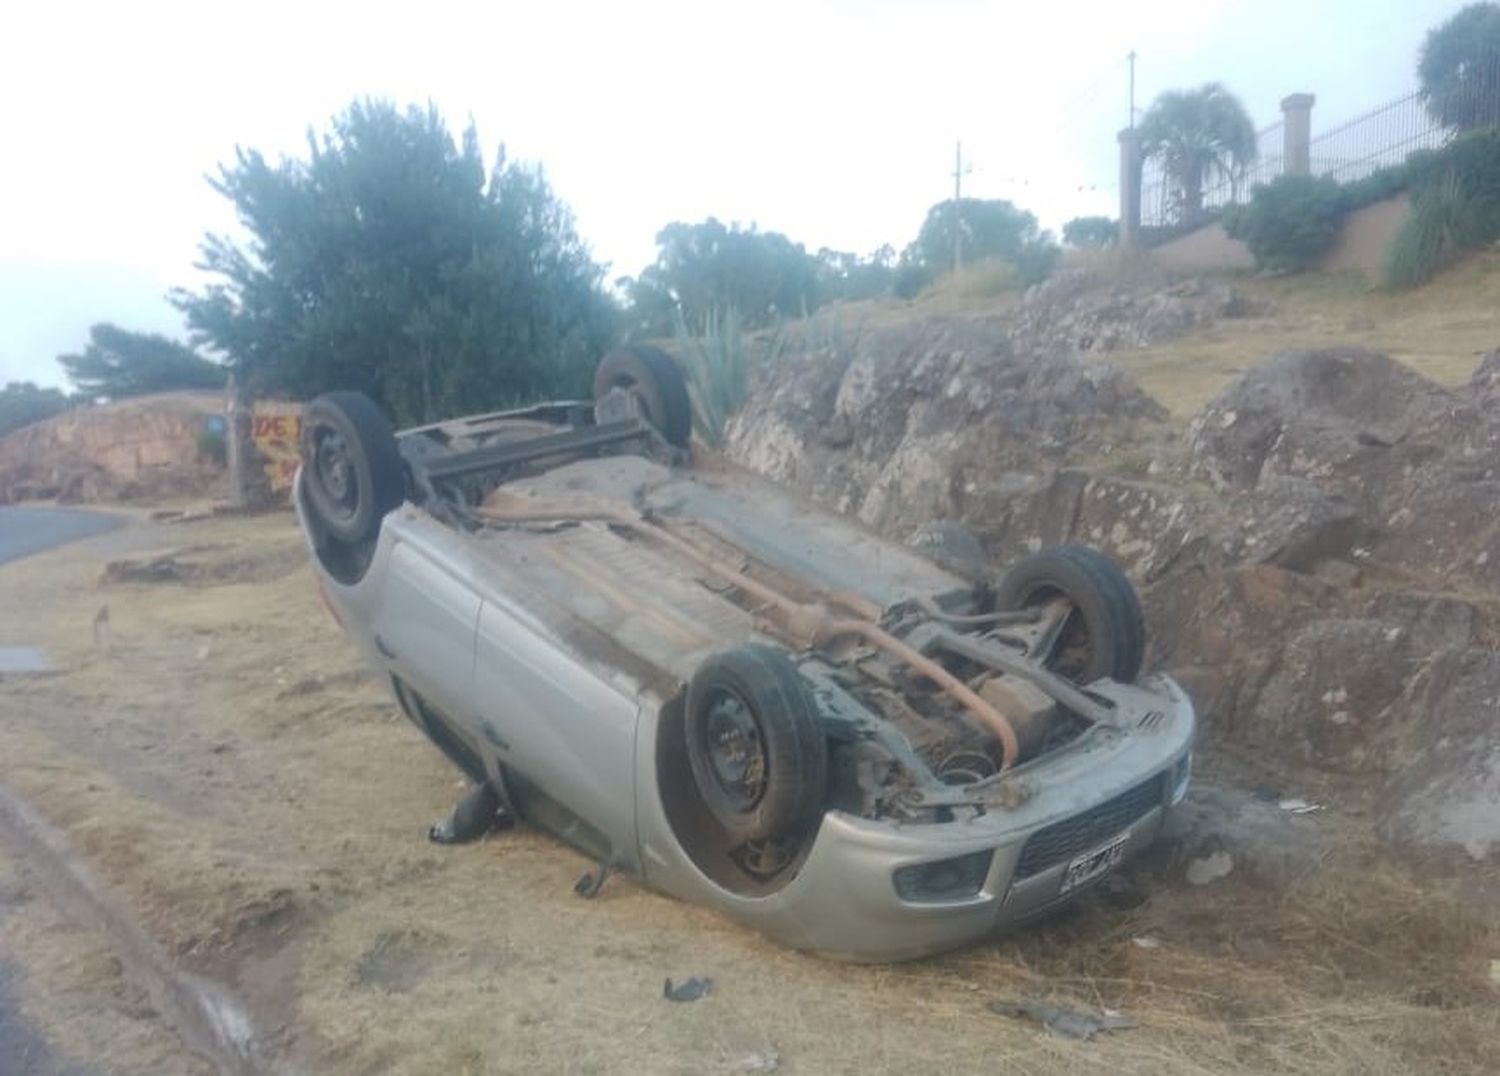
x=1380, y=138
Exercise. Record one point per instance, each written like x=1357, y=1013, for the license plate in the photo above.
x=1090, y=865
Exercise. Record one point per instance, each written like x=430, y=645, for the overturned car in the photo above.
x=741, y=701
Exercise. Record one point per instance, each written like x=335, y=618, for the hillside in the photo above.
x=1440, y=330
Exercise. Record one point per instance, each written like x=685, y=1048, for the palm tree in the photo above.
x=1196, y=136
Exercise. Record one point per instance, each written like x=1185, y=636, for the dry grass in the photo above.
x=258, y=804
x=1440, y=330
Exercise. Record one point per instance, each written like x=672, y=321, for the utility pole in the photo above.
x=959, y=171
x=1131, y=58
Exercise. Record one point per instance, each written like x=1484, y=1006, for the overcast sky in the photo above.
x=833, y=121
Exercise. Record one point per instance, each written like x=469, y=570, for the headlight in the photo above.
x=1181, y=774
x=944, y=879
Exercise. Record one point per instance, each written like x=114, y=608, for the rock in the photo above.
x=1336, y=693
x=1219, y=829
x=1293, y=524
x=1323, y=415
x=1446, y=792
x=953, y=546
x=907, y=423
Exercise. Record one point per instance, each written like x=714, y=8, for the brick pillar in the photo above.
x=1130, y=189
x=1296, y=133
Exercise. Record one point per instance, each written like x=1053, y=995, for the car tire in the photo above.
x=1108, y=635
x=756, y=750
x=352, y=473
x=655, y=380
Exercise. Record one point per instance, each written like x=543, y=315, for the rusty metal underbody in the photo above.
x=592, y=514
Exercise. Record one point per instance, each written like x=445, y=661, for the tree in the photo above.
x=844, y=277
x=988, y=228
x=389, y=261
x=709, y=268
x=1459, y=68
x=22, y=403
x=1197, y=136
x=118, y=363
x=1089, y=232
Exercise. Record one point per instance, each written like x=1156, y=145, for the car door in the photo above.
x=562, y=730
x=424, y=633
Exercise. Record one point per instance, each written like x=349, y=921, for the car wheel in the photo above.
x=757, y=753
x=1104, y=633
x=656, y=382
x=351, y=470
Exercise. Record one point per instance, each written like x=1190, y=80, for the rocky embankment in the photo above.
x=147, y=448
x=1318, y=551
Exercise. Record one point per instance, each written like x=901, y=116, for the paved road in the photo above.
x=23, y=1048
x=30, y=530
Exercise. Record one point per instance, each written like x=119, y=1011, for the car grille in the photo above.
x=1061, y=840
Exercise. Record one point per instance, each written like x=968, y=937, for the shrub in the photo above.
x=1455, y=208
x=1089, y=232
x=1290, y=222
x=911, y=278
x=1379, y=185
x=1035, y=260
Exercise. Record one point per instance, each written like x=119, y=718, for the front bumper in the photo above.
x=1112, y=792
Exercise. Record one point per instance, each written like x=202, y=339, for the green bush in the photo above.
x=1290, y=222
x=1035, y=260
x=1089, y=232
x=1455, y=208
x=1379, y=185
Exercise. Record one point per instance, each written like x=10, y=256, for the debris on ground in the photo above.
x=590, y=882
x=1298, y=805
x=760, y=1061
x=1210, y=868
x=688, y=990
x=1069, y=1023
x=1146, y=941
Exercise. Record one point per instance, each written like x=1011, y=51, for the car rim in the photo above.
x=735, y=750
x=335, y=472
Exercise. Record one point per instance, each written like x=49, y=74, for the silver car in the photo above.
x=739, y=700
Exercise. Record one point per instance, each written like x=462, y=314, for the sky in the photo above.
x=834, y=121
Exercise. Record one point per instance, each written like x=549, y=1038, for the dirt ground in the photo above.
x=244, y=791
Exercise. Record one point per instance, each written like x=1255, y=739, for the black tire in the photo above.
x=351, y=470
x=1108, y=635
x=752, y=697
x=650, y=375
